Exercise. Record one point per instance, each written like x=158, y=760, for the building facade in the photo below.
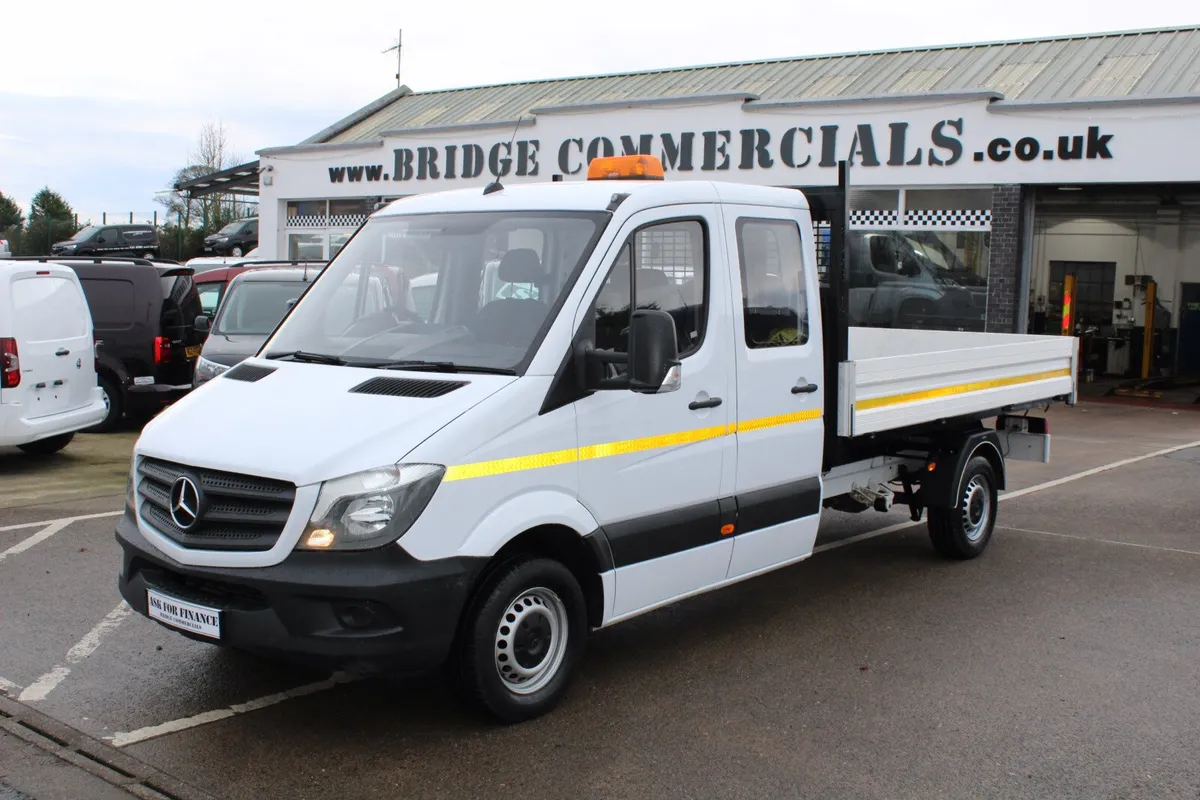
x=981, y=176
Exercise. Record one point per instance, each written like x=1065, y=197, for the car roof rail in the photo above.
x=86, y=259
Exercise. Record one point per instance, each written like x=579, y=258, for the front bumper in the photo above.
x=374, y=609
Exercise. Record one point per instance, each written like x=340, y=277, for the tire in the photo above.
x=543, y=600
x=147, y=255
x=115, y=403
x=236, y=252
x=47, y=447
x=964, y=532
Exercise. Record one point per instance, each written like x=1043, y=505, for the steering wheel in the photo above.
x=381, y=321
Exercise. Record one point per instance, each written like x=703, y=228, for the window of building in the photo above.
x=306, y=247
x=774, y=300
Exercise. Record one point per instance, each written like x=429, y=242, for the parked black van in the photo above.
x=235, y=239
x=111, y=240
x=143, y=317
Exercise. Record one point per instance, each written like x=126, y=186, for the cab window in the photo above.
x=210, y=297
x=774, y=302
x=663, y=267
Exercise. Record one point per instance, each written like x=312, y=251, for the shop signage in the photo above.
x=868, y=146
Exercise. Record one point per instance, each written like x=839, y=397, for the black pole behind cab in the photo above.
x=830, y=208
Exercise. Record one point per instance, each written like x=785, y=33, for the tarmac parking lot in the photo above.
x=1063, y=663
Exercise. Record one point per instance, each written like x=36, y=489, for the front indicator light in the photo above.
x=319, y=539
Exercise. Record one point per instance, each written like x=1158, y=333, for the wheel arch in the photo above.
x=943, y=489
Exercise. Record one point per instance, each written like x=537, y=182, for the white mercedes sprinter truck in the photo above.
x=647, y=404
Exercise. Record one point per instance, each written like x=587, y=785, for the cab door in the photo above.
x=656, y=470
x=780, y=376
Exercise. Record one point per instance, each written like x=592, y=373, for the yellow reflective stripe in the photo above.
x=962, y=388
x=650, y=443
x=775, y=422
x=502, y=466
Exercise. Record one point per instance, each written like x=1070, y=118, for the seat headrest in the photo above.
x=520, y=265
x=651, y=279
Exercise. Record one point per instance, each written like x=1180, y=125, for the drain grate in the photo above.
x=75, y=747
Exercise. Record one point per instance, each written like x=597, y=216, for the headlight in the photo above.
x=222, y=238
x=207, y=370
x=70, y=246
x=371, y=508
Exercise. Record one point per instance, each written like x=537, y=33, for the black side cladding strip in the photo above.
x=637, y=540
x=763, y=508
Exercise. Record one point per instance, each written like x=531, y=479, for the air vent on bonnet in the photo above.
x=407, y=387
x=249, y=373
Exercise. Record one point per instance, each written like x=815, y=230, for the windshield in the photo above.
x=84, y=234
x=232, y=228
x=468, y=290
x=255, y=307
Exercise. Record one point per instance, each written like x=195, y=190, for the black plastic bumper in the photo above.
x=154, y=396
x=377, y=609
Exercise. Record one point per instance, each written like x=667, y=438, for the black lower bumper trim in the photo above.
x=374, y=609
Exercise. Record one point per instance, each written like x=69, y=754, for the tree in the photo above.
x=213, y=153
x=51, y=219
x=12, y=220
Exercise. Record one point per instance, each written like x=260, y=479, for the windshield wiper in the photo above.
x=439, y=366
x=302, y=355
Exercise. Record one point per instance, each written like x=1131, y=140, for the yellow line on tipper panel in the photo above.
x=962, y=388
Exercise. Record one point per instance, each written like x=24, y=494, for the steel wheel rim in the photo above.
x=976, y=507
x=107, y=401
x=531, y=641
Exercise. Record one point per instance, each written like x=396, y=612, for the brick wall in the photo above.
x=1003, y=280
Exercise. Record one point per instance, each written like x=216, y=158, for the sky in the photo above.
x=103, y=102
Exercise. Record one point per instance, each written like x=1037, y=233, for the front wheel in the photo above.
x=522, y=639
x=964, y=532
x=47, y=447
x=236, y=252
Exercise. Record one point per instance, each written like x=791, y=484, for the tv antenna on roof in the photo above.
x=397, y=47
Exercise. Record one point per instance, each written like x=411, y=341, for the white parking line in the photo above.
x=85, y=647
x=9, y=688
x=40, y=536
x=174, y=726
x=64, y=520
x=1102, y=541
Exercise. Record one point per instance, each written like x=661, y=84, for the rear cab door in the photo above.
x=779, y=362
x=53, y=329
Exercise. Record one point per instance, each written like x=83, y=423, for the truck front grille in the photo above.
x=232, y=512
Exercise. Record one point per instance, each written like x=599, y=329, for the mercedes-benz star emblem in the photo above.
x=185, y=502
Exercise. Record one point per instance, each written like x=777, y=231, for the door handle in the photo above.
x=711, y=402
x=62, y=351
x=807, y=388
x=59, y=382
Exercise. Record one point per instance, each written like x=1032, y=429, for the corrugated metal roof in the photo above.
x=1134, y=64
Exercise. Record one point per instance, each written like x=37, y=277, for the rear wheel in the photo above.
x=964, y=532
x=147, y=255
x=522, y=639
x=48, y=447
x=114, y=404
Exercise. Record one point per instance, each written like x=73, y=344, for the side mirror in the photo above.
x=653, y=363
x=202, y=323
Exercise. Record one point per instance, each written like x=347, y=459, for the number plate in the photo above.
x=192, y=352
x=184, y=616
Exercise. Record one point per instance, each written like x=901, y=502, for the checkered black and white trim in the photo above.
x=308, y=221
x=346, y=220
x=954, y=218
x=874, y=218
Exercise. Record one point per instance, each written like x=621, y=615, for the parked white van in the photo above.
x=48, y=387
